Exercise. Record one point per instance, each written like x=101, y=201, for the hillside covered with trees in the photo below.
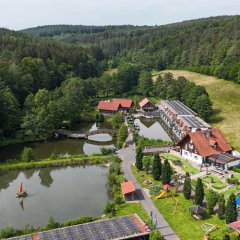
x=209, y=46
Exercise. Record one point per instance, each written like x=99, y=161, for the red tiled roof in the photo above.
x=127, y=187
x=126, y=103
x=108, y=106
x=144, y=102
x=203, y=142
x=235, y=225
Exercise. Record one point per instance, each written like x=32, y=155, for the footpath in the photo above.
x=128, y=158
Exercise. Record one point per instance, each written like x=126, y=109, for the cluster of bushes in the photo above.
x=52, y=224
x=122, y=136
x=143, y=141
x=114, y=184
x=73, y=160
x=106, y=151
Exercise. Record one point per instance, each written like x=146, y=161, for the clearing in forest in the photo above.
x=225, y=96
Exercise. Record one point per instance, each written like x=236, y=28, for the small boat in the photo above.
x=21, y=193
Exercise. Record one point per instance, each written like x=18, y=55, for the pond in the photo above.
x=151, y=128
x=64, y=193
x=63, y=146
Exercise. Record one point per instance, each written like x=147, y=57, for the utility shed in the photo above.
x=128, y=190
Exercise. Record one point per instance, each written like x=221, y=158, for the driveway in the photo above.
x=128, y=157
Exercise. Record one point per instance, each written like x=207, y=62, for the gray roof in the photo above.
x=115, y=228
x=194, y=122
x=197, y=209
x=178, y=107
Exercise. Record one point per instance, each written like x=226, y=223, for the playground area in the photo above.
x=176, y=210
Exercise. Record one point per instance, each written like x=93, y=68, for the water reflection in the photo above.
x=151, y=128
x=63, y=146
x=64, y=193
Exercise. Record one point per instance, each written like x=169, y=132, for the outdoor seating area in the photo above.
x=197, y=212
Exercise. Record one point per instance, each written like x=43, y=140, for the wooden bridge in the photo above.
x=82, y=135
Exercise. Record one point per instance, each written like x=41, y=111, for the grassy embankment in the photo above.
x=226, y=102
x=58, y=162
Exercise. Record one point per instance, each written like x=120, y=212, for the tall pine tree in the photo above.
x=139, y=157
x=221, y=206
x=187, y=188
x=156, y=167
x=231, y=209
x=199, y=192
x=166, y=172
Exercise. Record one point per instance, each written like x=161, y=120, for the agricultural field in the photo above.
x=226, y=102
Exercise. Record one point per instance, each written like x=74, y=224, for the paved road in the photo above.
x=128, y=157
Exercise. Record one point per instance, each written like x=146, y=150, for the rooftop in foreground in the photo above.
x=127, y=227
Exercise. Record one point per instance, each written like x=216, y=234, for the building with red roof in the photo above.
x=126, y=104
x=107, y=107
x=206, y=147
x=235, y=226
x=116, y=105
x=128, y=190
x=147, y=106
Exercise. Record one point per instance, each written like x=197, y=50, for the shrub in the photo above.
x=233, y=180
x=76, y=221
x=212, y=198
x=27, y=155
x=117, y=120
x=7, y=232
x=52, y=223
x=109, y=208
x=106, y=151
x=122, y=135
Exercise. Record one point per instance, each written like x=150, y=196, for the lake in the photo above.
x=64, y=193
x=151, y=128
x=63, y=146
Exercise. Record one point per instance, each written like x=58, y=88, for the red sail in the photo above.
x=20, y=191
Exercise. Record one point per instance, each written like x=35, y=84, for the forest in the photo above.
x=50, y=74
x=209, y=46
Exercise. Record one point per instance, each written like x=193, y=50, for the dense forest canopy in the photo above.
x=50, y=74
x=209, y=46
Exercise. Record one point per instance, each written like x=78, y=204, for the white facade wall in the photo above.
x=192, y=156
x=232, y=164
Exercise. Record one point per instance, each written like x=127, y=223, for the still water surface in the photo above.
x=63, y=146
x=64, y=193
x=151, y=128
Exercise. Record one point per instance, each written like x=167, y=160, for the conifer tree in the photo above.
x=139, y=157
x=199, y=192
x=221, y=206
x=166, y=172
x=231, y=209
x=156, y=167
x=187, y=188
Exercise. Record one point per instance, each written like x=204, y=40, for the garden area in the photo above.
x=185, y=165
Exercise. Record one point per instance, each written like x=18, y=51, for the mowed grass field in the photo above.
x=225, y=96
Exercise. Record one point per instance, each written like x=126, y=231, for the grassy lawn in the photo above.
x=226, y=102
x=182, y=223
x=142, y=176
x=217, y=183
x=186, y=166
x=131, y=208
